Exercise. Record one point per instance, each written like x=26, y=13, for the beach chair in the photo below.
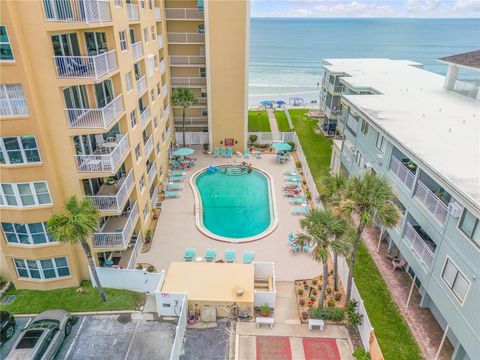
x=224, y=152
x=172, y=194
x=177, y=173
x=230, y=256
x=174, y=186
x=189, y=254
x=216, y=152
x=258, y=155
x=210, y=255
x=246, y=154
x=293, y=178
x=300, y=210
x=298, y=200
x=248, y=257
x=291, y=172
x=229, y=152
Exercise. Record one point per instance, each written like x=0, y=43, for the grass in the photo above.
x=258, y=123
x=36, y=301
x=282, y=121
x=393, y=334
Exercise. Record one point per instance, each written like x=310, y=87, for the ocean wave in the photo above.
x=253, y=85
x=285, y=93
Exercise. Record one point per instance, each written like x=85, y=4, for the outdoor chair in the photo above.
x=300, y=210
x=176, y=178
x=177, y=173
x=298, y=200
x=398, y=263
x=246, y=154
x=294, y=247
x=293, y=178
x=230, y=256
x=172, y=194
x=229, y=152
x=189, y=254
x=291, y=237
x=174, y=187
x=224, y=152
x=258, y=155
x=210, y=255
x=216, y=152
x=293, y=183
x=248, y=257
x=290, y=172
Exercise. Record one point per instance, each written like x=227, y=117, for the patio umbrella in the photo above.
x=266, y=103
x=281, y=102
x=282, y=147
x=183, y=152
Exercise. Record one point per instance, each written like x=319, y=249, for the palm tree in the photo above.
x=368, y=196
x=324, y=230
x=75, y=225
x=184, y=98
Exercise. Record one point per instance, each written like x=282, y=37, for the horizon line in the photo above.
x=364, y=17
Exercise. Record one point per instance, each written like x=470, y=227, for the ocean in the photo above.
x=286, y=53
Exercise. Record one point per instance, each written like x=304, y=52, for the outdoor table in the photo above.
x=109, y=146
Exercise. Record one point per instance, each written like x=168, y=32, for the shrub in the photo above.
x=304, y=315
x=338, y=296
x=292, y=144
x=314, y=282
x=334, y=314
x=354, y=318
x=331, y=303
x=253, y=138
x=314, y=292
x=138, y=267
x=301, y=301
x=298, y=164
x=329, y=290
x=361, y=354
x=300, y=292
x=151, y=268
x=312, y=298
x=309, y=194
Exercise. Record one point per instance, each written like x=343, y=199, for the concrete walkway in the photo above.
x=273, y=120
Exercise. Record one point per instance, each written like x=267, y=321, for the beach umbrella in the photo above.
x=183, y=152
x=266, y=103
x=282, y=147
x=281, y=102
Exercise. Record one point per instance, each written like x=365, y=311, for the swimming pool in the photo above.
x=232, y=205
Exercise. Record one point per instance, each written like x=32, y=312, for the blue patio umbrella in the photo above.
x=281, y=102
x=183, y=152
x=282, y=147
x=266, y=103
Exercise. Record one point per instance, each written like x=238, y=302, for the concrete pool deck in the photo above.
x=176, y=229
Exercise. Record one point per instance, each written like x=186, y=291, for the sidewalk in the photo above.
x=273, y=120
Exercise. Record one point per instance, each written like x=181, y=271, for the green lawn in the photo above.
x=258, y=123
x=393, y=334
x=36, y=301
x=282, y=121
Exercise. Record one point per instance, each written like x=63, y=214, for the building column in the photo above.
x=451, y=77
x=411, y=291
x=442, y=342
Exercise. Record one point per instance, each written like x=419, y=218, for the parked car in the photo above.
x=7, y=326
x=42, y=338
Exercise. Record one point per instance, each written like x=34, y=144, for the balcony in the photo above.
x=132, y=12
x=183, y=14
x=162, y=66
x=191, y=121
x=347, y=151
x=181, y=60
x=332, y=114
x=431, y=202
x=95, y=118
x=421, y=243
x=402, y=173
x=338, y=88
x=141, y=85
x=189, y=82
x=164, y=90
x=104, y=160
x=148, y=147
x=158, y=14
x=137, y=50
x=154, y=198
x=85, y=11
x=152, y=172
x=352, y=124
x=117, y=231
x=113, y=198
x=201, y=103
x=85, y=67
x=186, y=38
x=145, y=116
x=160, y=41
x=167, y=111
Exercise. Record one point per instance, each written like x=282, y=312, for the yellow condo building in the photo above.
x=85, y=110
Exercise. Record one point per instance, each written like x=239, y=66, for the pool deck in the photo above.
x=176, y=229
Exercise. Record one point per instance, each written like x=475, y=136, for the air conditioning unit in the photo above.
x=352, y=148
x=379, y=159
x=455, y=209
x=368, y=168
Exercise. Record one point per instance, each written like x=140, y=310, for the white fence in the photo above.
x=180, y=331
x=129, y=279
x=269, y=137
x=192, y=138
x=135, y=251
x=265, y=271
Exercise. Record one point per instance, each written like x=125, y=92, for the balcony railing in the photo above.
x=191, y=121
x=162, y=66
x=137, y=50
x=151, y=172
x=154, y=198
x=181, y=60
x=431, y=201
x=169, y=134
x=114, y=203
x=141, y=85
x=167, y=111
x=110, y=237
x=189, y=81
x=347, y=152
x=422, y=250
x=160, y=41
x=402, y=172
x=95, y=118
x=145, y=116
x=135, y=251
x=183, y=14
x=164, y=90
x=132, y=12
x=186, y=38
x=85, y=67
x=352, y=124
x=148, y=147
x=103, y=163
x=158, y=14
x=87, y=11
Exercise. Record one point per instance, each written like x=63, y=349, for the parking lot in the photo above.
x=110, y=336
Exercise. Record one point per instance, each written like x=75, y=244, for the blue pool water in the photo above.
x=234, y=206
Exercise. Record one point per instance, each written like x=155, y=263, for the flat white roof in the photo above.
x=441, y=128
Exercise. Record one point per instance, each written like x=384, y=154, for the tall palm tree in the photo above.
x=324, y=230
x=74, y=225
x=184, y=98
x=368, y=196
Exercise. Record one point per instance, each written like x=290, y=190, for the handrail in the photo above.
x=431, y=201
x=103, y=162
x=85, y=67
x=106, y=203
x=137, y=50
x=187, y=60
x=419, y=246
x=402, y=172
x=87, y=118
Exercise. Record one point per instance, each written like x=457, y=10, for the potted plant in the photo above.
x=314, y=281
x=309, y=194
x=331, y=303
x=265, y=310
x=338, y=296
x=310, y=304
x=304, y=315
x=253, y=139
x=314, y=292
x=300, y=292
x=148, y=236
x=110, y=180
x=151, y=268
x=298, y=164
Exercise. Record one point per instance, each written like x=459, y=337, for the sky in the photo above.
x=366, y=8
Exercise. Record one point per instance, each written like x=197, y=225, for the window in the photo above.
x=123, y=40
x=128, y=81
x=150, y=5
x=142, y=183
x=12, y=100
x=364, y=128
x=359, y=159
x=118, y=3
x=24, y=194
x=154, y=34
x=150, y=65
x=42, y=269
x=142, y=4
x=133, y=118
x=18, y=150
x=455, y=280
x=152, y=95
x=145, y=212
x=158, y=89
x=381, y=143
x=138, y=154
x=163, y=136
x=145, y=34
x=6, y=53
x=470, y=226
x=30, y=234
x=203, y=72
x=155, y=122
x=157, y=148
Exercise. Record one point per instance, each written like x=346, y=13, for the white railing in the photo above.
x=162, y=66
x=431, y=201
x=201, y=101
x=137, y=50
x=148, y=147
x=347, y=152
x=164, y=90
x=169, y=135
x=85, y=67
x=180, y=331
x=183, y=14
x=332, y=114
x=167, y=111
x=135, y=251
x=158, y=14
x=402, y=172
x=88, y=11
x=186, y=38
x=145, y=116
x=114, y=203
x=465, y=88
x=352, y=124
x=191, y=121
x=117, y=239
x=187, y=60
x=270, y=137
x=160, y=40
x=152, y=172
x=154, y=198
x=95, y=118
x=338, y=88
x=265, y=271
x=103, y=162
x=419, y=246
x=132, y=12
x=141, y=85
x=188, y=81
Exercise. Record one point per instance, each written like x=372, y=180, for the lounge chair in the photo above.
x=298, y=200
x=307, y=248
x=248, y=257
x=172, y=194
x=294, y=247
x=216, y=152
x=229, y=152
x=293, y=178
x=177, y=173
x=291, y=237
x=293, y=183
x=174, y=186
x=246, y=154
x=210, y=255
x=189, y=254
x=230, y=256
x=258, y=155
x=224, y=152
x=290, y=172
x=176, y=178
x=300, y=210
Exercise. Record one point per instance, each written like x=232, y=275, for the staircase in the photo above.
x=263, y=284
x=234, y=171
